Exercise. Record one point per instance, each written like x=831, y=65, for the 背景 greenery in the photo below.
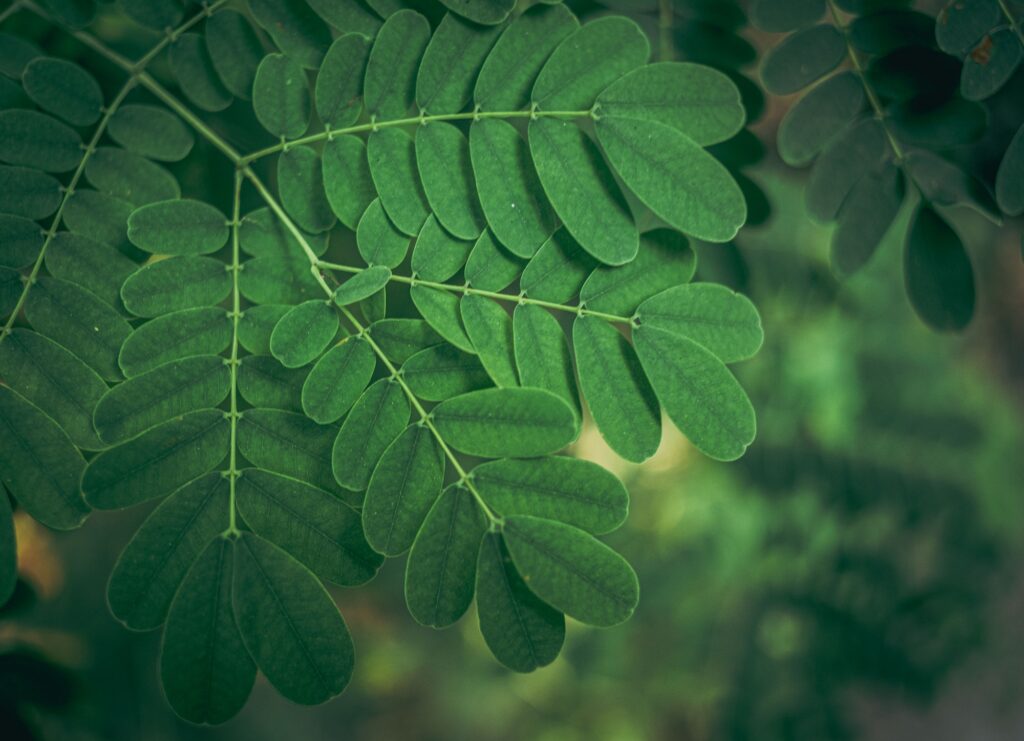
x=157, y=346
x=420, y=238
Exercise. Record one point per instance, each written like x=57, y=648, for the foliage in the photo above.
x=245, y=365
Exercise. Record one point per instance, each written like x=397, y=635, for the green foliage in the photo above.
x=245, y=354
x=882, y=130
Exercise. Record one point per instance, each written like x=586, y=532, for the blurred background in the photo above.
x=859, y=574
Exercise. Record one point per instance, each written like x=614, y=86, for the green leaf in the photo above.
x=158, y=461
x=865, y=217
x=583, y=190
x=963, y=24
x=63, y=89
x=802, y=58
x=264, y=382
x=175, y=284
x=713, y=316
x=15, y=54
x=34, y=139
x=442, y=155
x=154, y=563
x=262, y=234
x=618, y=394
x=542, y=354
x=443, y=371
x=490, y=266
x=810, y=124
x=362, y=285
x=312, y=525
x=889, y=30
x=570, y=490
x=376, y=419
x=58, y=383
x=998, y=57
x=489, y=328
x=392, y=157
x=183, y=334
x=946, y=184
x=850, y=156
x=522, y=632
x=178, y=227
x=665, y=260
x=257, y=324
x=699, y=101
x=347, y=180
x=101, y=217
x=205, y=668
x=510, y=192
x=1010, y=177
x=437, y=255
x=400, y=339
x=234, y=50
x=301, y=185
x=130, y=177
x=380, y=243
x=96, y=267
x=303, y=333
x=512, y=422
x=674, y=177
x=168, y=391
x=557, y=272
x=290, y=624
x=951, y=124
x=278, y=280
x=155, y=14
x=588, y=61
x=508, y=73
x=29, y=193
x=440, y=573
x=402, y=489
x=281, y=98
x=339, y=83
x=571, y=570
x=295, y=29
x=151, y=132
x=785, y=15
x=444, y=83
x=20, y=241
x=698, y=393
x=938, y=272
x=440, y=309
x=389, y=86
x=74, y=318
x=73, y=13
x=481, y=11
x=39, y=465
x=193, y=69
x=289, y=444
x=337, y=380
x=347, y=15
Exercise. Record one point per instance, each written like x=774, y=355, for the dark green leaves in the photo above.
x=174, y=284
x=152, y=132
x=280, y=97
x=1010, y=178
x=33, y=139
x=444, y=83
x=339, y=83
x=389, y=87
x=375, y=420
x=300, y=181
x=194, y=70
x=235, y=51
x=940, y=280
x=289, y=623
x=572, y=570
x=674, y=177
x=511, y=422
x=337, y=380
x=362, y=285
x=303, y=333
x=63, y=89
x=442, y=156
x=178, y=227
x=802, y=58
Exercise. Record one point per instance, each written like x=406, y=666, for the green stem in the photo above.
x=68, y=192
x=236, y=315
x=422, y=119
x=274, y=206
x=467, y=290
x=1014, y=24
x=10, y=10
x=174, y=34
x=665, y=31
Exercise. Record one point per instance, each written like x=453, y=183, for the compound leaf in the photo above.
x=376, y=419
x=337, y=380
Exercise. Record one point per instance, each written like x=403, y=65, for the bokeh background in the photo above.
x=859, y=574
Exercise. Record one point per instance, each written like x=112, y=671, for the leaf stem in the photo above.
x=665, y=31
x=423, y=119
x=1014, y=24
x=10, y=10
x=236, y=315
x=468, y=290
x=69, y=191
